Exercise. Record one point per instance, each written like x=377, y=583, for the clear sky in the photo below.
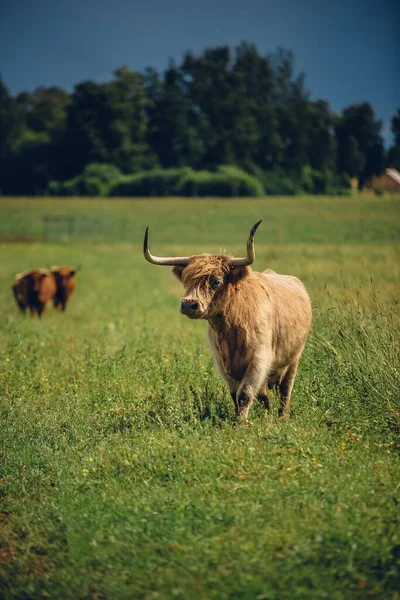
x=349, y=49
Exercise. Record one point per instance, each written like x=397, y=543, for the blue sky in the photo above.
x=349, y=50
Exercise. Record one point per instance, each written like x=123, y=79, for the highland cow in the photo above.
x=33, y=289
x=66, y=283
x=258, y=322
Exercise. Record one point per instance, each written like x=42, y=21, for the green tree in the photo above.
x=45, y=110
x=127, y=128
x=255, y=133
x=172, y=132
x=10, y=126
x=294, y=112
x=321, y=137
x=108, y=123
x=359, y=143
x=211, y=84
x=85, y=139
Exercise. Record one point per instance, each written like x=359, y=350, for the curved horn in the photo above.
x=167, y=261
x=251, y=255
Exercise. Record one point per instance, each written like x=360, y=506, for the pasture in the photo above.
x=122, y=474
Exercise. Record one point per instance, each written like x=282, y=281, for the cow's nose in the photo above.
x=189, y=307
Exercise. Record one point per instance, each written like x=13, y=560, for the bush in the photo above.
x=279, y=183
x=157, y=182
x=226, y=181
x=53, y=188
x=92, y=186
x=106, y=173
x=95, y=180
x=98, y=178
x=71, y=187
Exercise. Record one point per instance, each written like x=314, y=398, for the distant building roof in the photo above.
x=393, y=174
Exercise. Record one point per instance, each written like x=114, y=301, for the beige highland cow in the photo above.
x=258, y=322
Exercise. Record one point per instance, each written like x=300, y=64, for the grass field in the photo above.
x=122, y=474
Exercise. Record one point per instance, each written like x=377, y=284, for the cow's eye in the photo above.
x=215, y=283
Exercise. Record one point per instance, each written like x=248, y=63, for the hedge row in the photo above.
x=226, y=181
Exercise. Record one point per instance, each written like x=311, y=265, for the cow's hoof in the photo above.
x=242, y=420
x=284, y=416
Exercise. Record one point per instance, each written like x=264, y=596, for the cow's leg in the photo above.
x=253, y=380
x=233, y=396
x=285, y=389
x=263, y=397
x=233, y=387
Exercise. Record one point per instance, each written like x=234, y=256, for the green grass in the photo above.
x=211, y=222
x=122, y=474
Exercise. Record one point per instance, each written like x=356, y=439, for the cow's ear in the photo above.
x=177, y=271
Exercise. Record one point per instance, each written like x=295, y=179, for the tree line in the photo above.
x=224, y=112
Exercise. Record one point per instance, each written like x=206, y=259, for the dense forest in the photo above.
x=225, y=122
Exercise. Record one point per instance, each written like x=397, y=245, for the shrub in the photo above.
x=71, y=187
x=282, y=183
x=157, y=182
x=279, y=183
x=96, y=180
x=104, y=172
x=53, y=188
x=92, y=186
x=226, y=181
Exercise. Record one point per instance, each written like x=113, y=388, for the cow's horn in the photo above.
x=243, y=262
x=167, y=261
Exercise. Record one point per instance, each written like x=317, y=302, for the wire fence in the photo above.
x=59, y=228
x=63, y=228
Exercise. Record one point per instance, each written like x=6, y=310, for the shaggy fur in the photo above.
x=258, y=326
x=33, y=289
x=66, y=283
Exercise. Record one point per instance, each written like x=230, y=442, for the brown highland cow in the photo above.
x=33, y=289
x=66, y=283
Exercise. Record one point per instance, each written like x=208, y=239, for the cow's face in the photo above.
x=62, y=275
x=206, y=279
x=35, y=279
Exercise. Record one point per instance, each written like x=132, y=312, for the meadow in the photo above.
x=122, y=472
